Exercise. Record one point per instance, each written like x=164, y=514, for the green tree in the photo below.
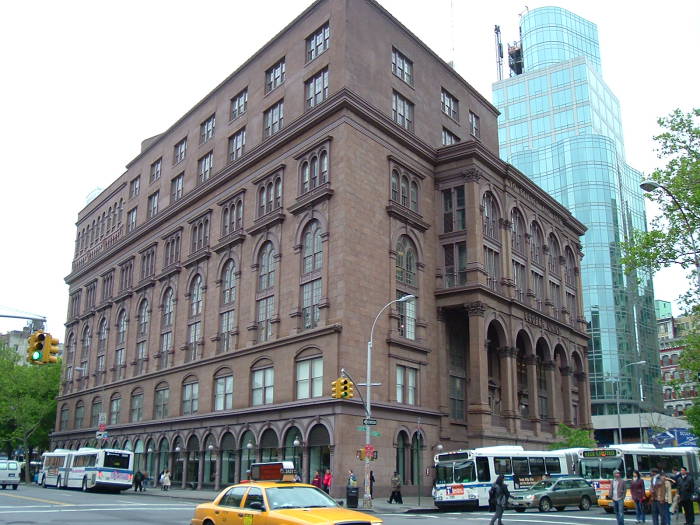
x=27, y=403
x=673, y=238
x=570, y=437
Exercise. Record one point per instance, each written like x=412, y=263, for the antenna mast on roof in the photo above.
x=499, y=52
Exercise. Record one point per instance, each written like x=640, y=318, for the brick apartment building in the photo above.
x=221, y=283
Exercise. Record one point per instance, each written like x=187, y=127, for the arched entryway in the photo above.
x=192, y=460
x=294, y=451
x=178, y=459
x=228, y=459
x=248, y=451
x=269, y=446
x=402, y=447
x=320, y=451
x=210, y=453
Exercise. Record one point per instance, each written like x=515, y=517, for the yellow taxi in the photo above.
x=271, y=497
x=607, y=503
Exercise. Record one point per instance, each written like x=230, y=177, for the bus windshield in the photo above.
x=116, y=460
x=603, y=468
x=457, y=472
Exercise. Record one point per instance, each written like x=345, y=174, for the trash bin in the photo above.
x=351, y=496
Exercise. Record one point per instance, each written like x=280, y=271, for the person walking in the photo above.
x=686, y=488
x=352, y=479
x=395, y=489
x=617, y=495
x=166, y=480
x=371, y=484
x=638, y=494
x=160, y=479
x=658, y=498
x=327, y=481
x=316, y=481
x=499, y=494
x=138, y=481
x=673, y=478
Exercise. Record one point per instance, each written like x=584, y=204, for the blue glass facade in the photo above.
x=560, y=125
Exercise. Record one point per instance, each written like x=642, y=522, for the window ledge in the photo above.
x=267, y=221
x=406, y=215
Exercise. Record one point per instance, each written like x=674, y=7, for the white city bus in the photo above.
x=463, y=477
x=54, y=468
x=598, y=464
x=89, y=468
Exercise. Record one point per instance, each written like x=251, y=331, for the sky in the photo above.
x=84, y=82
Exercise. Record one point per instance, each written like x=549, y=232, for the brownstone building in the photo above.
x=221, y=283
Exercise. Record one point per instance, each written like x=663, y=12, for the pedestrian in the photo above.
x=673, y=478
x=617, y=495
x=395, y=489
x=658, y=497
x=138, y=480
x=166, y=480
x=686, y=489
x=316, y=481
x=499, y=495
x=144, y=483
x=352, y=479
x=371, y=484
x=161, y=477
x=327, y=481
x=638, y=494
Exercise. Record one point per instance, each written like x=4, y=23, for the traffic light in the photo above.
x=347, y=388
x=50, y=349
x=35, y=348
x=335, y=394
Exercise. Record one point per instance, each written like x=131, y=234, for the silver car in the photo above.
x=556, y=493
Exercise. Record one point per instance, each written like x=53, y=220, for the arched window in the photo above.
x=102, y=336
x=554, y=255
x=228, y=283
x=266, y=267
x=278, y=193
x=404, y=191
x=665, y=361
x=312, y=262
x=536, y=244
x=160, y=401
x=305, y=177
x=314, y=172
x=144, y=318
x=490, y=216
x=518, y=231
x=414, y=196
x=196, y=296
x=323, y=175
x=406, y=262
x=64, y=418
x=168, y=308
x=70, y=348
x=190, y=396
x=79, y=414
x=262, y=199
x=395, y=186
x=265, y=303
x=121, y=328
x=223, y=390
x=569, y=275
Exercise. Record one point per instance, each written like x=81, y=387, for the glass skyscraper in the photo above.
x=560, y=125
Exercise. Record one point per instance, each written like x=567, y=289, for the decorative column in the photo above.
x=566, y=393
x=478, y=409
x=475, y=263
x=532, y=389
x=583, y=397
x=217, y=468
x=549, y=368
x=509, y=382
x=444, y=373
x=507, y=278
x=200, y=469
x=185, y=466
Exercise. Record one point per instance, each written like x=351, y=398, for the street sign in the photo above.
x=361, y=429
x=369, y=421
x=101, y=435
x=375, y=433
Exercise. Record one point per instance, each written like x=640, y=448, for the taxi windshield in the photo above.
x=298, y=497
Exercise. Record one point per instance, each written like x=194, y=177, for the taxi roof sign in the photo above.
x=273, y=471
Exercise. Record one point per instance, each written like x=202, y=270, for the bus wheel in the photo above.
x=85, y=487
x=14, y=487
x=585, y=503
x=43, y=481
x=3, y=487
x=545, y=505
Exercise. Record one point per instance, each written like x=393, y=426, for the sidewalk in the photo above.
x=380, y=505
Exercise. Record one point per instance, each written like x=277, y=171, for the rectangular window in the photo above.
x=310, y=378
x=555, y=299
x=274, y=76
x=131, y=220
x=474, y=126
x=538, y=289
x=406, y=385
x=455, y=264
x=205, y=167
x=225, y=328
x=166, y=345
x=449, y=138
x=407, y=317
x=318, y=42
x=119, y=364
x=520, y=281
x=316, y=89
x=176, y=188
x=449, y=105
x=134, y=187
x=263, y=386
x=137, y=408
x=402, y=111
x=311, y=298
x=492, y=264
x=152, y=205
x=266, y=311
x=206, y=129
x=401, y=66
x=453, y=209
x=239, y=104
x=223, y=392
x=115, y=411
x=273, y=119
x=179, y=151
x=155, y=170
x=141, y=356
x=190, y=399
x=236, y=145
x=457, y=398
x=161, y=403
x=193, y=338
x=571, y=307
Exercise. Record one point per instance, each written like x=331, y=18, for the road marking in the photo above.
x=93, y=509
x=41, y=500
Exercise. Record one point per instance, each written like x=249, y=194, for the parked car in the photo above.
x=557, y=493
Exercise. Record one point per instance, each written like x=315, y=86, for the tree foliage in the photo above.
x=27, y=402
x=570, y=437
x=673, y=239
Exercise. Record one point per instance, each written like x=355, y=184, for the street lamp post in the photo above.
x=367, y=498
x=649, y=186
x=619, y=421
x=296, y=444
